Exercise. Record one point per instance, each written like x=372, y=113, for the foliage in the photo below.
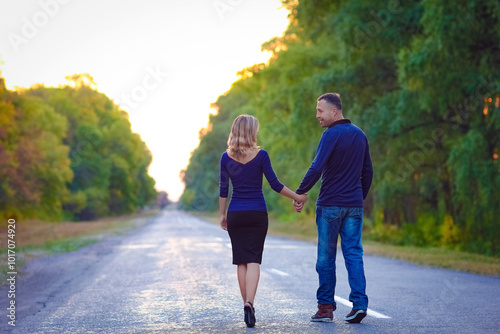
x=69, y=153
x=419, y=77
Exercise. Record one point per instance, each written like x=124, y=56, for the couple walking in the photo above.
x=343, y=161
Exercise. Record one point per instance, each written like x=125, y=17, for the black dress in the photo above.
x=247, y=220
x=247, y=230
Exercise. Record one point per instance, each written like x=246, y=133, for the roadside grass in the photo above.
x=440, y=257
x=304, y=228
x=35, y=239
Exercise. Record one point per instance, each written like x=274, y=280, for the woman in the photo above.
x=246, y=221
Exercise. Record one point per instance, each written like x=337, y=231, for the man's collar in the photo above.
x=340, y=121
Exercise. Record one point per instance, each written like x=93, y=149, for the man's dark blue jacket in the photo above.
x=343, y=158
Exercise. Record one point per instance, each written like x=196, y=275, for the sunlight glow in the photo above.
x=163, y=62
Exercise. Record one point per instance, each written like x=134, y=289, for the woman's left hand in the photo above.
x=223, y=222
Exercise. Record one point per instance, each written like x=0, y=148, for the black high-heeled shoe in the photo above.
x=249, y=314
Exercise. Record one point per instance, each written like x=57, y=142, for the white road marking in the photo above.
x=287, y=246
x=369, y=312
x=208, y=244
x=337, y=298
x=137, y=246
x=278, y=272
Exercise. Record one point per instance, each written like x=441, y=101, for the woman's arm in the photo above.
x=278, y=186
x=222, y=213
x=223, y=192
x=302, y=198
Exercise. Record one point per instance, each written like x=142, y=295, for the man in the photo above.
x=343, y=161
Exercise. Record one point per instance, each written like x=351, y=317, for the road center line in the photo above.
x=138, y=246
x=369, y=312
x=278, y=272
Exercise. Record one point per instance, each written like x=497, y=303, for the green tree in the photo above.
x=420, y=77
x=34, y=165
x=69, y=153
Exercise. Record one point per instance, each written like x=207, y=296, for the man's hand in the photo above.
x=223, y=222
x=299, y=204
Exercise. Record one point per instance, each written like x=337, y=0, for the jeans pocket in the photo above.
x=357, y=213
x=331, y=213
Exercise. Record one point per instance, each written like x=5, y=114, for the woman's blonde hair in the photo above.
x=243, y=135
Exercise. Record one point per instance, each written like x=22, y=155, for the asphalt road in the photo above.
x=174, y=275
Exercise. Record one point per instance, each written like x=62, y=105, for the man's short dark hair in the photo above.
x=332, y=98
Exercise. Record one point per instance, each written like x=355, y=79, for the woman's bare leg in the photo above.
x=242, y=273
x=251, y=281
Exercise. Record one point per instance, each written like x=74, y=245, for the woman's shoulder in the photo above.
x=262, y=153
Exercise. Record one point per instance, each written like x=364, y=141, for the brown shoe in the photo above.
x=355, y=316
x=324, y=314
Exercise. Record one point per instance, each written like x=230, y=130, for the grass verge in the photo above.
x=440, y=257
x=35, y=239
x=304, y=228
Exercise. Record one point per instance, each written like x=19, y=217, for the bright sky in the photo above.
x=163, y=61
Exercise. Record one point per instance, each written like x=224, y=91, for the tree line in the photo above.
x=68, y=153
x=421, y=78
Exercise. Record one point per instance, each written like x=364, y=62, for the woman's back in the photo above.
x=246, y=178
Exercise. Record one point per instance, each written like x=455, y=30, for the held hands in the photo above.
x=223, y=222
x=299, y=202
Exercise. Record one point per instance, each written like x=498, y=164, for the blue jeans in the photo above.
x=348, y=222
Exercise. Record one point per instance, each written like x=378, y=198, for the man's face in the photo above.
x=325, y=113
